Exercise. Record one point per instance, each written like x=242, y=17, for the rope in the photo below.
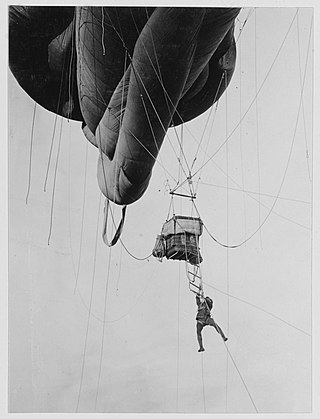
x=30, y=154
x=159, y=77
x=209, y=136
x=89, y=312
x=303, y=110
x=54, y=184
x=103, y=330
x=241, y=377
x=301, y=201
x=120, y=227
x=249, y=107
x=241, y=145
x=95, y=316
x=180, y=168
x=267, y=207
x=102, y=36
x=203, y=386
x=70, y=84
x=91, y=298
x=181, y=153
x=166, y=93
x=50, y=153
x=257, y=119
x=178, y=342
x=253, y=100
x=75, y=271
x=258, y=308
x=244, y=23
x=59, y=100
x=227, y=228
x=207, y=120
x=82, y=217
x=132, y=255
x=287, y=165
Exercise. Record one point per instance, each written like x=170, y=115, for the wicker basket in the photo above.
x=183, y=247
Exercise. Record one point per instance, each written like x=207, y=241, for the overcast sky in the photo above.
x=93, y=329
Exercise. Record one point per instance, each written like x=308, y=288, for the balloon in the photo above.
x=128, y=73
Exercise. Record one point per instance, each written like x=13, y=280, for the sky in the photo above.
x=94, y=329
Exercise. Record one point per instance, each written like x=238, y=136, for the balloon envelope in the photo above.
x=128, y=73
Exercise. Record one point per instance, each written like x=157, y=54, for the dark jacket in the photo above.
x=203, y=310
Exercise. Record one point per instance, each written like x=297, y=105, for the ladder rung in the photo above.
x=194, y=291
x=189, y=272
x=194, y=285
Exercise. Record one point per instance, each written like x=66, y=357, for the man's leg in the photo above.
x=199, y=336
x=211, y=322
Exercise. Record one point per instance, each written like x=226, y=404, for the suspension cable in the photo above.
x=241, y=377
x=257, y=308
x=30, y=153
x=288, y=160
x=252, y=101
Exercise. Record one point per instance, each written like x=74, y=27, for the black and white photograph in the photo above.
x=160, y=186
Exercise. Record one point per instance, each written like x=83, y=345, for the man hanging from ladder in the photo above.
x=205, y=305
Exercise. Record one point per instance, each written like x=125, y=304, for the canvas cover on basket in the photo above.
x=181, y=224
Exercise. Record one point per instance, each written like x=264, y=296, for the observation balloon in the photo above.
x=127, y=73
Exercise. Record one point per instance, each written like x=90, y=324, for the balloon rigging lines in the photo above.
x=250, y=195
x=227, y=237
x=82, y=217
x=167, y=96
x=241, y=377
x=244, y=202
x=303, y=110
x=50, y=153
x=54, y=184
x=70, y=86
x=159, y=77
x=257, y=119
x=103, y=328
x=227, y=293
x=138, y=78
x=203, y=386
x=178, y=340
x=104, y=174
x=287, y=164
x=105, y=307
x=109, y=262
x=244, y=23
x=209, y=116
x=32, y=130
x=252, y=101
x=283, y=198
x=90, y=307
x=30, y=154
x=99, y=319
x=76, y=271
x=58, y=105
x=257, y=308
x=102, y=35
x=223, y=76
